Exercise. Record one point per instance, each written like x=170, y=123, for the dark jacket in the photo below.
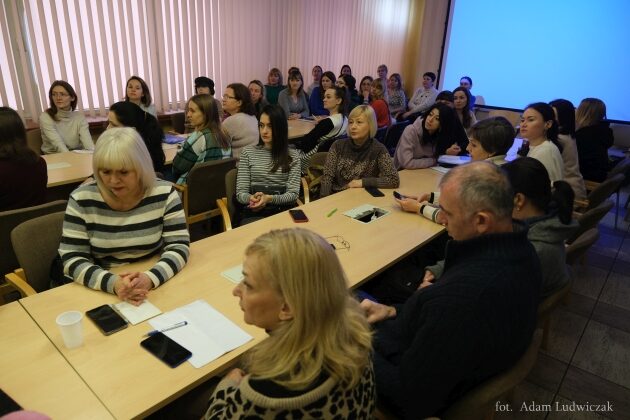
x=592, y=144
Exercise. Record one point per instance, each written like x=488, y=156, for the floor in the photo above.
x=585, y=372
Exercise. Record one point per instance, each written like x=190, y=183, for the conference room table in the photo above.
x=132, y=383
x=35, y=374
x=75, y=166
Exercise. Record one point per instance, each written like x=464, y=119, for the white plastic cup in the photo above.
x=71, y=328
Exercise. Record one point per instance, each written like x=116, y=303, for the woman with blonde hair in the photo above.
x=361, y=160
x=123, y=216
x=207, y=142
x=379, y=104
x=274, y=85
x=593, y=137
x=316, y=361
x=64, y=128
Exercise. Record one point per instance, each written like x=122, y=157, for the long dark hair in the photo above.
x=331, y=77
x=547, y=113
x=241, y=93
x=131, y=115
x=342, y=93
x=566, y=116
x=450, y=131
x=280, y=138
x=530, y=177
x=146, y=93
x=466, y=119
x=52, y=111
x=13, y=144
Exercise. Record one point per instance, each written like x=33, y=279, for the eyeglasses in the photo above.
x=59, y=95
x=340, y=240
x=226, y=96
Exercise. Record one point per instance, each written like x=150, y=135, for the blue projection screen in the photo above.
x=540, y=50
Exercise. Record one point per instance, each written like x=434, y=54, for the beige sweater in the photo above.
x=69, y=133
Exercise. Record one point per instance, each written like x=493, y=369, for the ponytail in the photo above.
x=562, y=196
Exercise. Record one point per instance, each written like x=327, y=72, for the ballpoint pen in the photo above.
x=172, y=327
x=331, y=212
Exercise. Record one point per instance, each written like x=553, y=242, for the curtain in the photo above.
x=96, y=45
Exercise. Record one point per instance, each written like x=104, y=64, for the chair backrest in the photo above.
x=34, y=140
x=36, y=243
x=590, y=219
x=178, y=121
x=206, y=183
x=579, y=247
x=230, y=191
x=480, y=401
x=604, y=190
x=10, y=219
x=393, y=136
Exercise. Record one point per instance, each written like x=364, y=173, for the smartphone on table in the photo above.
x=166, y=349
x=298, y=216
x=107, y=319
x=399, y=196
x=374, y=192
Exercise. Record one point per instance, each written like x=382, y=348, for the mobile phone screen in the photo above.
x=166, y=350
x=374, y=192
x=106, y=319
x=298, y=216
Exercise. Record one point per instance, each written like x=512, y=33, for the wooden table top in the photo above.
x=297, y=128
x=36, y=376
x=131, y=382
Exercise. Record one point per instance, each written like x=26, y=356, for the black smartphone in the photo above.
x=298, y=216
x=374, y=192
x=7, y=404
x=399, y=196
x=107, y=319
x=166, y=349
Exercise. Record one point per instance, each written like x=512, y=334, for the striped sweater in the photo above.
x=95, y=237
x=201, y=146
x=255, y=169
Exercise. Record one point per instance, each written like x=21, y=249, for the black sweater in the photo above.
x=592, y=144
x=474, y=323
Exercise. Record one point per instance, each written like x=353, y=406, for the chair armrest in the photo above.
x=18, y=280
x=180, y=188
x=225, y=214
x=307, y=194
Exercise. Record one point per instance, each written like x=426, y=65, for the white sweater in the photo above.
x=69, y=133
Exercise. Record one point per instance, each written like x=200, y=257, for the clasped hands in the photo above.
x=133, y=287
x=258, y=201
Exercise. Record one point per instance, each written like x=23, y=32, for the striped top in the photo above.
x=201, y=146
x=254, y=169
x=96, y=237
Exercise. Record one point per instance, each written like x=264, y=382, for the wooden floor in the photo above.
x=588, y=359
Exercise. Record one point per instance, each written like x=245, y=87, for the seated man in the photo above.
x=478, y=319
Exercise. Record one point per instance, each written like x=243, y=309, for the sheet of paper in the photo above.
x=136, y=314
x=58, y=165
x=359, y=211
x=208, y=334
x=234, y=274
x=440, y=169
x=83, y=151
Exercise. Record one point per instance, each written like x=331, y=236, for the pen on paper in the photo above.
x=331, y=212
x=172, y=327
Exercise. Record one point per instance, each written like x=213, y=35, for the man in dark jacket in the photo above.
x=478, y=319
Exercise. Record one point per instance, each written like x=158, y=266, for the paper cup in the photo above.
x=71, y=328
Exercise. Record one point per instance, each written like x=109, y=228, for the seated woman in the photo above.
x=329, y=128
x=304, y=305
x=257, y=92
x=365, y=89
x=23, y=174
x=128, y=114
x=207, y=142
x=397, y=100
x=206, y=85
x=379, y=104
x=539, y=127
x=360, y=161
x=565, y=117
x=350, y=83
x=345, y=71
x=62, y=127
x=241, y=125
x=490, y=139
x=593, y=138
x=137, y=91
x=547, y=211
x=422, y=142
x=293, y=99
x=463, y=107
x=316, y=98
x=122, y=217
x=274, y=85
x=317, y=76
x=268, y=179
